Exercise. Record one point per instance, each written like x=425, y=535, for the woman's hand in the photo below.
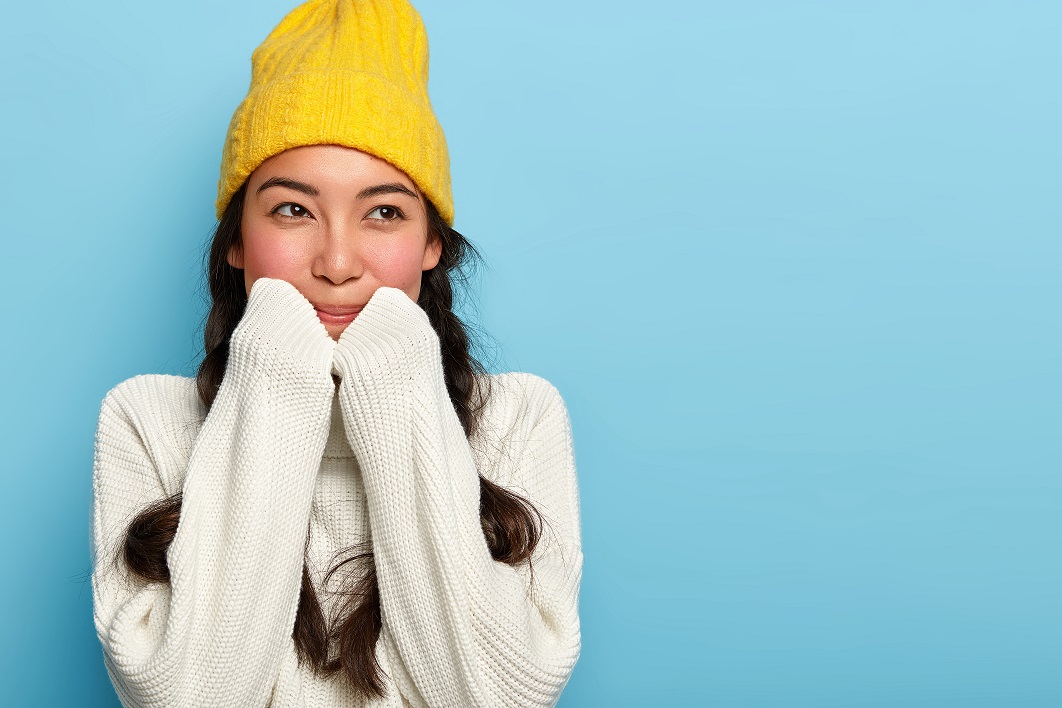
x=389, y=339
x=387, y=359
x=219, y=633
x=493, y=636
x=280, y=335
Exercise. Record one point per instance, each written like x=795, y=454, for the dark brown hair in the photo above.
x=511, y=525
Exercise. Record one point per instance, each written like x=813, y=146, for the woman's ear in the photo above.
x=235, y=257
x=432, y=251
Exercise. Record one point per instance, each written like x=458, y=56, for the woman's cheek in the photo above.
x=398, y=265
x=269, y=257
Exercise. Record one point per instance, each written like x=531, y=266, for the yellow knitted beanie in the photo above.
x=343, y=72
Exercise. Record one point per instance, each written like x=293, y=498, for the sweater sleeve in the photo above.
x=217, y=633
x=466, y=630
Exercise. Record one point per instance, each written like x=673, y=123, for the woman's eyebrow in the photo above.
x=290, y=184
x=389, y=188
x=375, y=190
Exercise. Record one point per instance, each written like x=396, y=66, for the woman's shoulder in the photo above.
x=170, y=396
x=520, y=393
x=523, y=414
x=163, y=412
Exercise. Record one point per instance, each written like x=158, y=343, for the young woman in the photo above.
x=341, y=508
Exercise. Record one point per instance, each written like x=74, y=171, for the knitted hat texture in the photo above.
x=342, y=72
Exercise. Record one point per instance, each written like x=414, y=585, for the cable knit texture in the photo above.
x=286, y=468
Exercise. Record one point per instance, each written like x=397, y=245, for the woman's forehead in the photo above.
x=333, y=166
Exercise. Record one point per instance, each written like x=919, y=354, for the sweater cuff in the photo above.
x=280, y=328
x=390, y=339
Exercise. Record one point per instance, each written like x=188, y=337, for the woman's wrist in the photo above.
x=280, y=337
x=388, y=344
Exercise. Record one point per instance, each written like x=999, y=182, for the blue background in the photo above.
x=795, y=267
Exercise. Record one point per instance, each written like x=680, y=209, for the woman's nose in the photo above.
x=338, y=257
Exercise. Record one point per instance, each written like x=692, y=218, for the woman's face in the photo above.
x=336, y=223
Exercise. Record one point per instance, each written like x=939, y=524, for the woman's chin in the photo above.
x=335, y=325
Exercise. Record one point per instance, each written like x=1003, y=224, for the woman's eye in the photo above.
x=290, y=211
x=386, y=213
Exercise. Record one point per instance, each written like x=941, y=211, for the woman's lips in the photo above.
x=336, y=314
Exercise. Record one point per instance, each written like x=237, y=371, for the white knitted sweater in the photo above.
x=288, y=468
